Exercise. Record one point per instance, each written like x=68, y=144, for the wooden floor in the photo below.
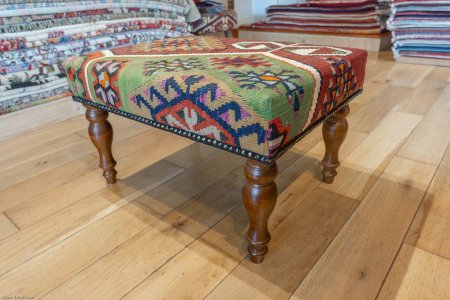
x=173, y=226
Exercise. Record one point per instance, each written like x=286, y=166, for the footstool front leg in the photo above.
x=334, y=131
x=101, y=133
x=260, y=196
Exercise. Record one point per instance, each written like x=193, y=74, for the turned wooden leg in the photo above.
x=101, y=133
x=259, y=195
x=334, y=131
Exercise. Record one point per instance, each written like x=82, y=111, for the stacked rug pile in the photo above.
x=330, y=16
x=214, y=18
x=36, y=36
x=421, y=29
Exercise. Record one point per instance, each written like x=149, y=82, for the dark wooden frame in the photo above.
x=259, y=193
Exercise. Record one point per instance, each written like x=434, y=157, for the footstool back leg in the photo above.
x=260, y=196
x=334, y=131
x=101, y=133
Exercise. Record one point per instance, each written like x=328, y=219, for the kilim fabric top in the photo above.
x=252, y=98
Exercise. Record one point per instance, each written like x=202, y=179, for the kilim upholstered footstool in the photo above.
x=254, y=99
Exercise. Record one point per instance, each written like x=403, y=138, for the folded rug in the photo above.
x=421, y=28
x=348, y=16
x=36, y=36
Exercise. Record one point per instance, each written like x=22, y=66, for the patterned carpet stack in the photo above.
x=331, y=16
x=421, y=29
x=36, y=36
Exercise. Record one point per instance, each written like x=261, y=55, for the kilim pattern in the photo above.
x=252, y=98
x=220, y=22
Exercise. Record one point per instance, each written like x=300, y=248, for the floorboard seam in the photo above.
x=410, y=224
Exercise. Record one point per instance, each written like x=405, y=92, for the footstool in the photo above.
x=254, y=99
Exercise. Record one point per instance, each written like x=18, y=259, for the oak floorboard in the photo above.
x=124, y=268
x=35, y=138
x=312, y=225
x=375, y=230
x=372, y=113
x=25, y=190
x=36, y=208
x=417, y=275
x=24, y=170
x=136, y=260
x=445, y=163
x=431, y=227
x=433, y=130
x=423, y=97
x=21, y=156
x=378, y=71
x=192, y=155
x=7, y=227
x=371, y=89
x=405, y=75
x=33, y=240
x=188, y=184
x=42, y=164
x=194, y=272
x=46, y=181
x=440, y=74
x=89, y=245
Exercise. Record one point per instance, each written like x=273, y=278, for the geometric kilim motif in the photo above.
x=253, y=98
x=226, y=20
x=106, y=74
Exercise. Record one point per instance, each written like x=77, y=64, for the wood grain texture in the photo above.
x=406, y=75
x=312, y=224
x=21, y=156
x=31, y=210
x=434, y=130
x=431, y=227
x=102, y=237
x=43, y=235
x=190, y=183
x=421, y=99
x=7, y=227
x=16, y=123
x=136, y=260
x=386, y=98
x=375, y=230
x=417, y=275
x=445, y=163
x=39, y=137
x=40, y=165
x=198, y=263
x=21, y=192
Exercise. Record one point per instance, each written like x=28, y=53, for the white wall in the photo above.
x=244, y=9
